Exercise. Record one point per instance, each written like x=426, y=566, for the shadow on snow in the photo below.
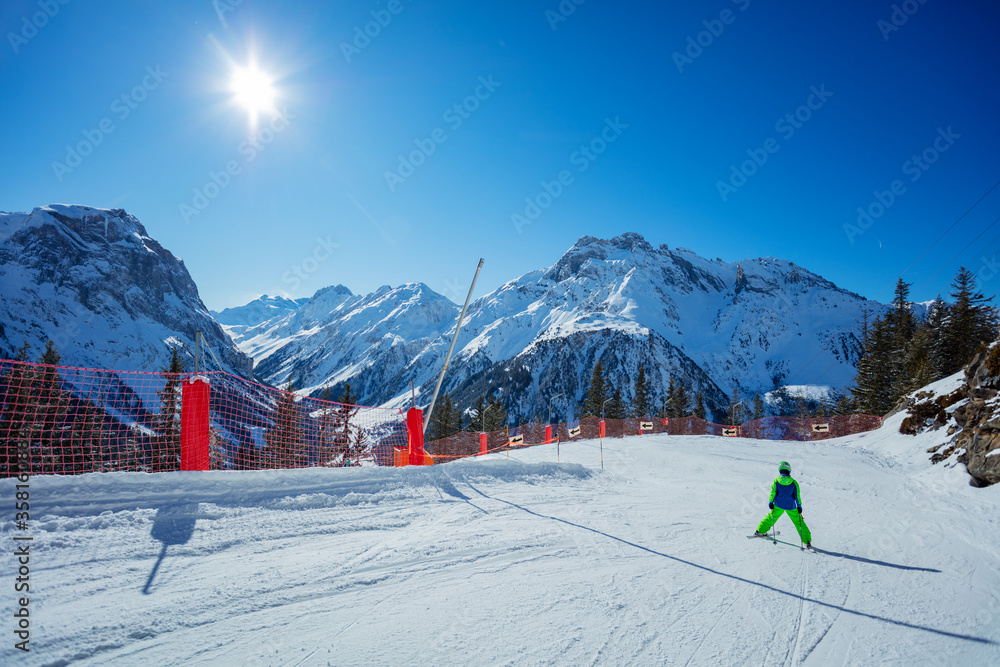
x=173, y=524
x=914, y=626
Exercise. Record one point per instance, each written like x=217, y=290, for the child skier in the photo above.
x=785, y=497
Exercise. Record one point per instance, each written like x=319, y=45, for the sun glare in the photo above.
x=253, y=90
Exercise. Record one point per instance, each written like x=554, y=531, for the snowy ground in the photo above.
x=519, y=562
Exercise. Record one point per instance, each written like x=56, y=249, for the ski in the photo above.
x=767, y=535
x=801, y=547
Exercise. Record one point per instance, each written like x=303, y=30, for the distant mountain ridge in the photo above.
x=112, y=297
x=259, y=310
x=756, y=324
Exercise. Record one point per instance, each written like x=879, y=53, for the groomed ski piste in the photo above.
x=521, y=561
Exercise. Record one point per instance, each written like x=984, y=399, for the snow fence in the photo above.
x=468, y=443
x=65, y=420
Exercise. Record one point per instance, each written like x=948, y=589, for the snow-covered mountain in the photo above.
x=756, y=324
x=93, y=281
x=337, y=337
x=237, y=320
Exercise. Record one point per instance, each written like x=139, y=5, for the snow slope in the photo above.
x=521, y=561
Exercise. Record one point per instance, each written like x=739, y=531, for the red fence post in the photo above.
x=482, y=444
x=548, y=434
x=415, y=427
x=194, y=424
x=602, y=429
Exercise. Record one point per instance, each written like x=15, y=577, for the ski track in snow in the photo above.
x=520, y=561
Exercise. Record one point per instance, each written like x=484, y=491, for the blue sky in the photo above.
x=683, y=93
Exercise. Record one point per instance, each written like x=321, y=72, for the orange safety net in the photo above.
x=467, y=443
x=65, y=420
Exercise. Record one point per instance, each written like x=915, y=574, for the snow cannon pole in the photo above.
x=454, y=339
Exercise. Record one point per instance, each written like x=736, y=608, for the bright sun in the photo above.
x=253, y=90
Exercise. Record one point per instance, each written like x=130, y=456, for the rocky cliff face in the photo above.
x=980, y=418
x=971, y=414
x=93, y=281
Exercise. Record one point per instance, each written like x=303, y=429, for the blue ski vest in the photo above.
x=785, y=493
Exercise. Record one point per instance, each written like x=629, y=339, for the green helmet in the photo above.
x=783, y=467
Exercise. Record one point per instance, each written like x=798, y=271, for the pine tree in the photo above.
x=670, y=400
x=247, y=457
x=85, y=440
x=699, y=406
x=445, y=421
x=597, y=392
x=759, y=410
x=616, y=408
x=18, y=404
x=327, y=434
x=842, y=405
x=642, y=403
x=680, y=403
x=166, y=453
x=350, y=436
x=347, y=395
x=934, y=332
x=286, y=447
x=477, y=415
x=919, y=368
x=486, y=415
x=496, y=415
x=873, y=391
x=902, y=327
x=50, y=406
x=50, y=356
x=971, y=323
x=737, y=411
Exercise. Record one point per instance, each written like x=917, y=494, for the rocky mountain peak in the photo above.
x=631, y=241
x=93, y=281
x=590, y=247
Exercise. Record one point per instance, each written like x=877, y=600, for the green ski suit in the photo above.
x=784, y=497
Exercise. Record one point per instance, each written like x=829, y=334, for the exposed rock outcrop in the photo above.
x=975, y=423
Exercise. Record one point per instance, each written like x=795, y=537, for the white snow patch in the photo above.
x=643, y=562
